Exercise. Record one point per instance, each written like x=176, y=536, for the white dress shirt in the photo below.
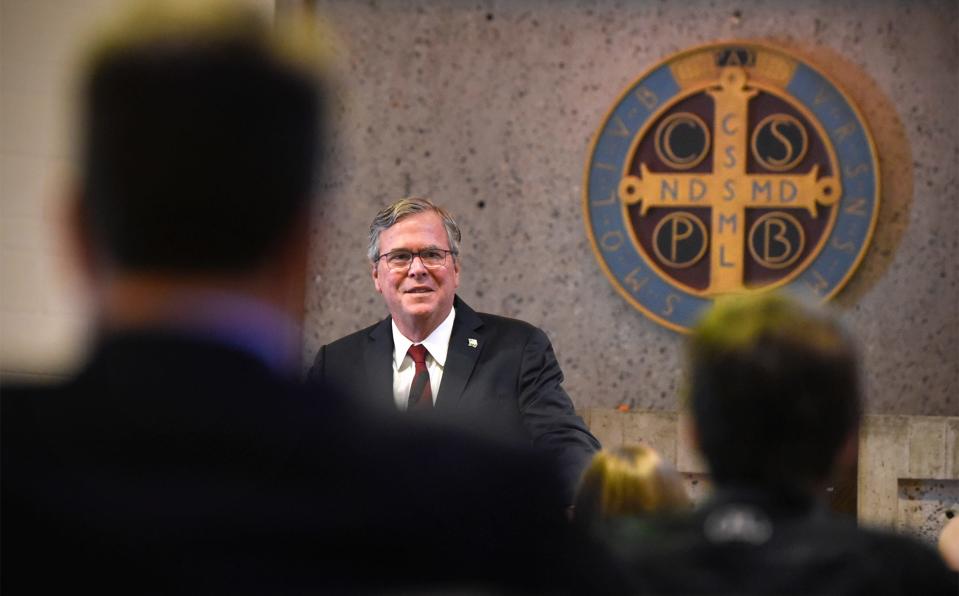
x=437, y=344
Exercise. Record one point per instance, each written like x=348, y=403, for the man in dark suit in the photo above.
x=774, y=398
x=183, y=457
x=495, y=373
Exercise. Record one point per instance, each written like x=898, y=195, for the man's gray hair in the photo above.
x=388, y=216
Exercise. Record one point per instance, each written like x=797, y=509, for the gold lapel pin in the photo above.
x=472, y=342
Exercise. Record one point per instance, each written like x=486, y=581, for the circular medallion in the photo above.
x=729, y=168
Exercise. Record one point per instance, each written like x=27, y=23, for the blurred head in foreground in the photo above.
x=199, y=136
x=773, y=392
x=632, y=480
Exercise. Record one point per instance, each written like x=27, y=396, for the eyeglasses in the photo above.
x=400, y=260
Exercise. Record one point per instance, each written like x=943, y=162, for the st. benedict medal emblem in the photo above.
x=729, y=168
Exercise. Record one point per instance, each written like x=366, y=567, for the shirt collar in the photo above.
x=437, y=343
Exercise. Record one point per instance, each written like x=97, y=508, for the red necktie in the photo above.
x=421, y=395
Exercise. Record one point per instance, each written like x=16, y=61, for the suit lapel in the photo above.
x=466, y=344
x=377, y=358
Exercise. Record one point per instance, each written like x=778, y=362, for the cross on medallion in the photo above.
x=729, y=190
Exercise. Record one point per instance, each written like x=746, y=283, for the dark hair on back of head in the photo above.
x=773, y=389
x=199, y=145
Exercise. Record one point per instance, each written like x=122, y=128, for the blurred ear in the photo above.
x=688, y=432
x=687, y=429
x=375, y=274
x=848, y=454
x=78, y=239
x=284, y=274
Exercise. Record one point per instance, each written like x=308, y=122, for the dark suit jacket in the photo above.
x=174, y=464
x=510, y=384
x=759, y=542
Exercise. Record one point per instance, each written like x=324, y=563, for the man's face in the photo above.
x=418, y=298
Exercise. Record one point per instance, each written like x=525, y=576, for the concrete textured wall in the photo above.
x=489, y=107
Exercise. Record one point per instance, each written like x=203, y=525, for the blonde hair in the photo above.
x=631, y=480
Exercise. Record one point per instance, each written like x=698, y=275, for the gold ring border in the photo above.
x=702, y=228
x=660, y=153
x=789, y=165
x=802, y=239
